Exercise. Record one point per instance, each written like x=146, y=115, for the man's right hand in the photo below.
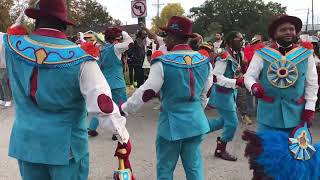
x=257, y=90
x=123, y=150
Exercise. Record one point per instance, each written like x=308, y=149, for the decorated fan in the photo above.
x=273, y=155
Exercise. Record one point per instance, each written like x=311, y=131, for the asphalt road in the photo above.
x=142, y=127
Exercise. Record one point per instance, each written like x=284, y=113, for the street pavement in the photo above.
x=142, y=127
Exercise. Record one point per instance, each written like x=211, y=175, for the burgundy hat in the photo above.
x=180, y=26
x=49, y=8
x=112, y=32
x=284, y=19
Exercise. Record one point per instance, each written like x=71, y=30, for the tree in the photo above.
x=90, y=15
x=247, y=16
x=5, y=19
x=171, y=9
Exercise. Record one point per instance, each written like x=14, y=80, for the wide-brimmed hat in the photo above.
x=49, y=8
x=254, y=40
x=180, y=26
x=281, y=20
x=113, y=33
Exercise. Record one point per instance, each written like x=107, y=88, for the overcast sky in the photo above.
x=121, y=9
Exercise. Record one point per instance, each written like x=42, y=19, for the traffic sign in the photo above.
x=139, y=8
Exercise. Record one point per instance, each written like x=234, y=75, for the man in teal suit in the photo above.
x=288, y=84
x=183, y=77
x=227, y=73
x=54, y=84
x=117, y=42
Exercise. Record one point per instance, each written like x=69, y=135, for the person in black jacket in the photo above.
x=136, y=53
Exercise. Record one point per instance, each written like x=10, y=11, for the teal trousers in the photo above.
x=168, y=153
x=74, y=171
x=227, y=121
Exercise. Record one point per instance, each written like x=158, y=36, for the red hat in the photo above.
x=180, y=26
x=284, y=19
x=49, y=8
x=112, y=32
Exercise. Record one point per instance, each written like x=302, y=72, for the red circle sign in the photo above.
x=140, y=7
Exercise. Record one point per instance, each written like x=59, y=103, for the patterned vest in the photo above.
x=111, y=66
x=222, y=97
x=50, y=126
x=283, y=78
x=182, y=115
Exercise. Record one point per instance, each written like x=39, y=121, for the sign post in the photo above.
x=139, y=10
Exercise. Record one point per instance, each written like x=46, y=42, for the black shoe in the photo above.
x=92, y=133
x=114, y=138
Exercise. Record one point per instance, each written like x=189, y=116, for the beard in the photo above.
x=284, y=43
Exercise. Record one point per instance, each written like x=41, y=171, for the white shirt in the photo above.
x=316, y=59
x=219, y=70
x=162, y=46
x=155, y=82
x=93, y=84
x=311, y=84
x=217, y=44
x=120, y=48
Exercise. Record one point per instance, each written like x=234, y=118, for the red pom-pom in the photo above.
x=156, y=54
x=204, y=52
x=259, y=46
x=17, y=30
x=306, y=44
x=224, y=55
x=90, y=48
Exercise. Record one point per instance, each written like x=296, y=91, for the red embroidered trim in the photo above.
x=34, y=85
x=181, y=47
x=50, y=33
x=223, y=90
x=301, y=100
x=105, y=103
x=148, y=95
x=191, y=85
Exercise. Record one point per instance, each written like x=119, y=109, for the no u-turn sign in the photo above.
x=139, y=8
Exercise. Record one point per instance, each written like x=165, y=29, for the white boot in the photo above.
x=2, y=103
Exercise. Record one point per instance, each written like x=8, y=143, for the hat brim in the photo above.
x=254, y=41
x=36, y=13
x=178, y=33
x=285, y=19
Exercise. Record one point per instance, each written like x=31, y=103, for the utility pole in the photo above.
x=312, y=16
x=307, y=21
x=158, y=8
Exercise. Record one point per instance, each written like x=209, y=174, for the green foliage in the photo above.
x=247, y=16
x=172, y=9
x=90, y=15
x=5, y=20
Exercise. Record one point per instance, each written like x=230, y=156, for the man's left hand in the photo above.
x=308, y=116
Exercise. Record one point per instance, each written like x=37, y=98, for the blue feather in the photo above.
x=279, y=163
